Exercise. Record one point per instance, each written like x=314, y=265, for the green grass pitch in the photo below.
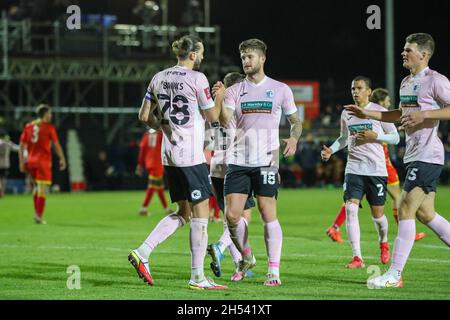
x=96, y=231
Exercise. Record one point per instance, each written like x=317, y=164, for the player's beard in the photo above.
x=252, y=71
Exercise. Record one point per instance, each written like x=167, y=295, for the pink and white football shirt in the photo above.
x=258, y=109
x=181, y=93
x=365, y=158
x=427, y=90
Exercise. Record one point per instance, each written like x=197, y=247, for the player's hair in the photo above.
x=365, y=79
x=42, y=109
x=185, y=45
x=232, y=78
x=253, y=44
x=379, y=94
x=424, y=41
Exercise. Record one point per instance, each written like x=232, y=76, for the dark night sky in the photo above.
x=318, y=39
x=329, y=39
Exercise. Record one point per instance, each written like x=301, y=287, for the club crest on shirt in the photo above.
x=269, y=94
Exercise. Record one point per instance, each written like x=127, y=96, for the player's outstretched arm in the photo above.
x=337, y=145
x=384, y=116
x=296, y=132
x=218, y=93
x=414, y=118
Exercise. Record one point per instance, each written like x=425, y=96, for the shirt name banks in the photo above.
x=172, y=85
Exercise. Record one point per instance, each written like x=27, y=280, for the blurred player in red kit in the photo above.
x=150, y=159
x=37, y=138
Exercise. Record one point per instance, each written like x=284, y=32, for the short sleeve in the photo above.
x=230, y=97
x=204, y=98
x=149, y=95
x=442, y=90
x=288, y=105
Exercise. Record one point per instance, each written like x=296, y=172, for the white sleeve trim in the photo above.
x=208, y=106
x=294, y=111
x=228, y=106
x=339, y=144
x=389, y=138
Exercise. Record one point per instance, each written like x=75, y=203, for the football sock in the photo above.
x=441, y=227
x=340, y=218
x=162, y=197
x=381, y=225
x=148, y=196
x=239, y=236
x=165, y=228
x=274, y=268
x=353, y=231
x=396, y=273
x=199, y=241
x=225, y=239
x=273, y=236
x=235, y=254
x=225, y=242
x=35, y=202
x=40, y=206
x=403, y=243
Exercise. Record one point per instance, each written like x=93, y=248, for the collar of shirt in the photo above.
x=256, y=84
x=421, y=73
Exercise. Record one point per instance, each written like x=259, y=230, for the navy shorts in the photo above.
x=356, y=186
x=262, y=180
x=422, y=174
x=189, y=183
x=218, y=184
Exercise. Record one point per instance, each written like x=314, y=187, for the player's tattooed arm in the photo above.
x=150, y=114
x=296, y=125
x=296, y=132
x=145, y=110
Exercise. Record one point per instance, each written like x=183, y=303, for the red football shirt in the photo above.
x=38, y=137
x=150, y=150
